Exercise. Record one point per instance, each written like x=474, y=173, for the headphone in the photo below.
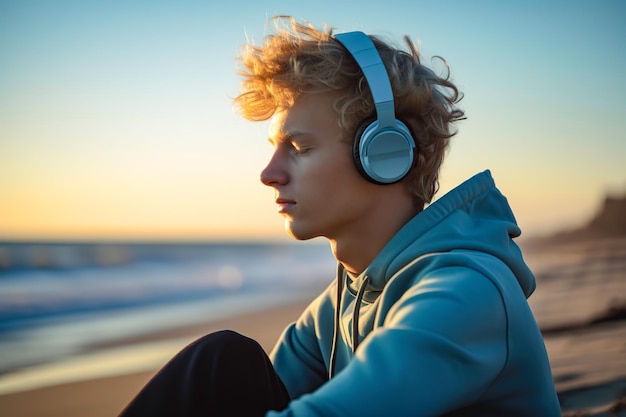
x=384, y=150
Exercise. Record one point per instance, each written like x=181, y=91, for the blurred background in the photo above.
x=129, y=193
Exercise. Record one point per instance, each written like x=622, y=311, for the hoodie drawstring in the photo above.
x=355, y=318
x=355, y=314
x=333, y=353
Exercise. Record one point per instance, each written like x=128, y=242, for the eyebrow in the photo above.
x=283, y=136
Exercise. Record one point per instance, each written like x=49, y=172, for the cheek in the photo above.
x=338, y=163
x=332, y=175
x=340, y=182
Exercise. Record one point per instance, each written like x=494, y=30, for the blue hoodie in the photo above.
x=438, y=324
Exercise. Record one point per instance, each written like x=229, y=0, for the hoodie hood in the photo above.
x=472, y=216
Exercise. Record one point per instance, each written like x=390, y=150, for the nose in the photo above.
x=275, y=173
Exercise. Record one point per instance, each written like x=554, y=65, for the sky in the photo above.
x=116, y=117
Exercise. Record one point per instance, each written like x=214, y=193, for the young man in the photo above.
x=428, y=313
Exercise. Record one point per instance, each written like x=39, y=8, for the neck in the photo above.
x=356, y=251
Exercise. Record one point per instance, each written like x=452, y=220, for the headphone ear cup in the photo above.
x=383, y=155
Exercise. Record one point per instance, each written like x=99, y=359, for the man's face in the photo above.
x=317, y=188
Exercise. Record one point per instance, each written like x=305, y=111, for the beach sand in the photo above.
x=576, y=284
x=107, y=396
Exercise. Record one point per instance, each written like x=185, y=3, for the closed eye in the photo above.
x=299, y=149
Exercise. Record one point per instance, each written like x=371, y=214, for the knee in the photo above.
x=226, y=342
x=226, y=338
x=223, y=353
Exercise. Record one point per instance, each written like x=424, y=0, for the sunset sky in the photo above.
x=116, y=118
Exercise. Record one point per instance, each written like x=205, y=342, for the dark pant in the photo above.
x=221, y=374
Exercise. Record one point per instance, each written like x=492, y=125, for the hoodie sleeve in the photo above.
x=442, y=344
x=302, y=351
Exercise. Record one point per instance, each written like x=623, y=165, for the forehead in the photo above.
x=310, y=113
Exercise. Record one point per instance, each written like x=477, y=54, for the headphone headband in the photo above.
x=366, y=55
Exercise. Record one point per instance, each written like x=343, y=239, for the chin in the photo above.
x=299, y=233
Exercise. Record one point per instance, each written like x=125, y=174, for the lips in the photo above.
x=284, y=204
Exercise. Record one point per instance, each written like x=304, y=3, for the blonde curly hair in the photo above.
x=298, y=59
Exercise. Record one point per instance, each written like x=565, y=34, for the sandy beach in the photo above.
x=577, y=303
x=107, y=396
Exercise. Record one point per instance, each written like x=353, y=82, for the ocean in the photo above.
x=59, y=300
